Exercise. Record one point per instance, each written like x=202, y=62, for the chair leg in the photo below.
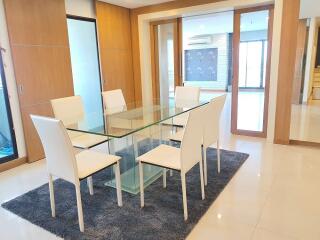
x=218, y=155
x=90, y=185
x=184, y=196
x=205, y=166
x=164, y=175
x=201, y=180
x=79, y=205
x=116, y=169
x=141, y=184
x=51, y=190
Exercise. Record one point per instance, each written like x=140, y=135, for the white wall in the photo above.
x=309, y=8
x=277, y=22
x=83, y=8
x=11, y=83
x=219, y=41
x=210, y=8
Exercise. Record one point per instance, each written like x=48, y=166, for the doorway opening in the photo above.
x=85, y=65
x=226, y=52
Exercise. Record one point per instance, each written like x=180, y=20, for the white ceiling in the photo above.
x=134, y=3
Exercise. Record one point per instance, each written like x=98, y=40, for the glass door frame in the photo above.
x=93, y=20
x=177, y=46
x=235, y=83
x=9, y=115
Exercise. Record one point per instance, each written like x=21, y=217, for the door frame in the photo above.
x=9, y=115
x=86, y=19
x=177, y=45
x=235, y=82
x=101, y=81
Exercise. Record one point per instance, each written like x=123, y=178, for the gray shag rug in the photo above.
x=161, y=218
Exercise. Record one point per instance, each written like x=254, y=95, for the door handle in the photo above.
x=20, y=89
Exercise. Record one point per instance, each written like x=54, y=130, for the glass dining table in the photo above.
x=133, y=130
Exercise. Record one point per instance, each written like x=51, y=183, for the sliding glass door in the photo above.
x=8, y=148
x=251, y=71
x=165, y=48
x=252, y=64
x=85, y=64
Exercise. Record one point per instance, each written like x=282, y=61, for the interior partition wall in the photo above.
x=8, y=147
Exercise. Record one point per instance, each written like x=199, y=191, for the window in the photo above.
x=8, y=148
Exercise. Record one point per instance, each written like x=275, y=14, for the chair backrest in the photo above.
x=69, y=109
x=211, y=117
x=192, y=140
x=187, y=93
x=57, y=146
x=114, y=101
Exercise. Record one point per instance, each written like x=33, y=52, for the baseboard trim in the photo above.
x=304, y=143
x=281, y=142
x=12, y=164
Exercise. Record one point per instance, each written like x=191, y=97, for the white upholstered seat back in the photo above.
x=114, y=101
x=187, y=93
x=192, y=140
x=211, y=117
x=57, y=146
x=69, y=109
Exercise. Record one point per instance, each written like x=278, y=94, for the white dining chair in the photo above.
x=114, y=101
x=184, y=95
x=211, y=115
x=182, y=159
x=187, y=93
x=70, y=110
x=63, y=163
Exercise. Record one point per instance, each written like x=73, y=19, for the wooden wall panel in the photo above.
x=288, y=45
x=42, y=72
x=33, y=143
x=172, y=5
x=114, y=28
x=41, y=58
x=36, y=22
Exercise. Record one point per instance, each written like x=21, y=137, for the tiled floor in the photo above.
x=305, y=122
x=275, y=195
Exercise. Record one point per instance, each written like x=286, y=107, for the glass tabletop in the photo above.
x=133, y=117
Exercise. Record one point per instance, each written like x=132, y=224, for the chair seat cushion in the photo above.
x=90, y=162
x=86, y=140
x=163, y=156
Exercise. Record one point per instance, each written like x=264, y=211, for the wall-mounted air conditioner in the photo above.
x=200, y=40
